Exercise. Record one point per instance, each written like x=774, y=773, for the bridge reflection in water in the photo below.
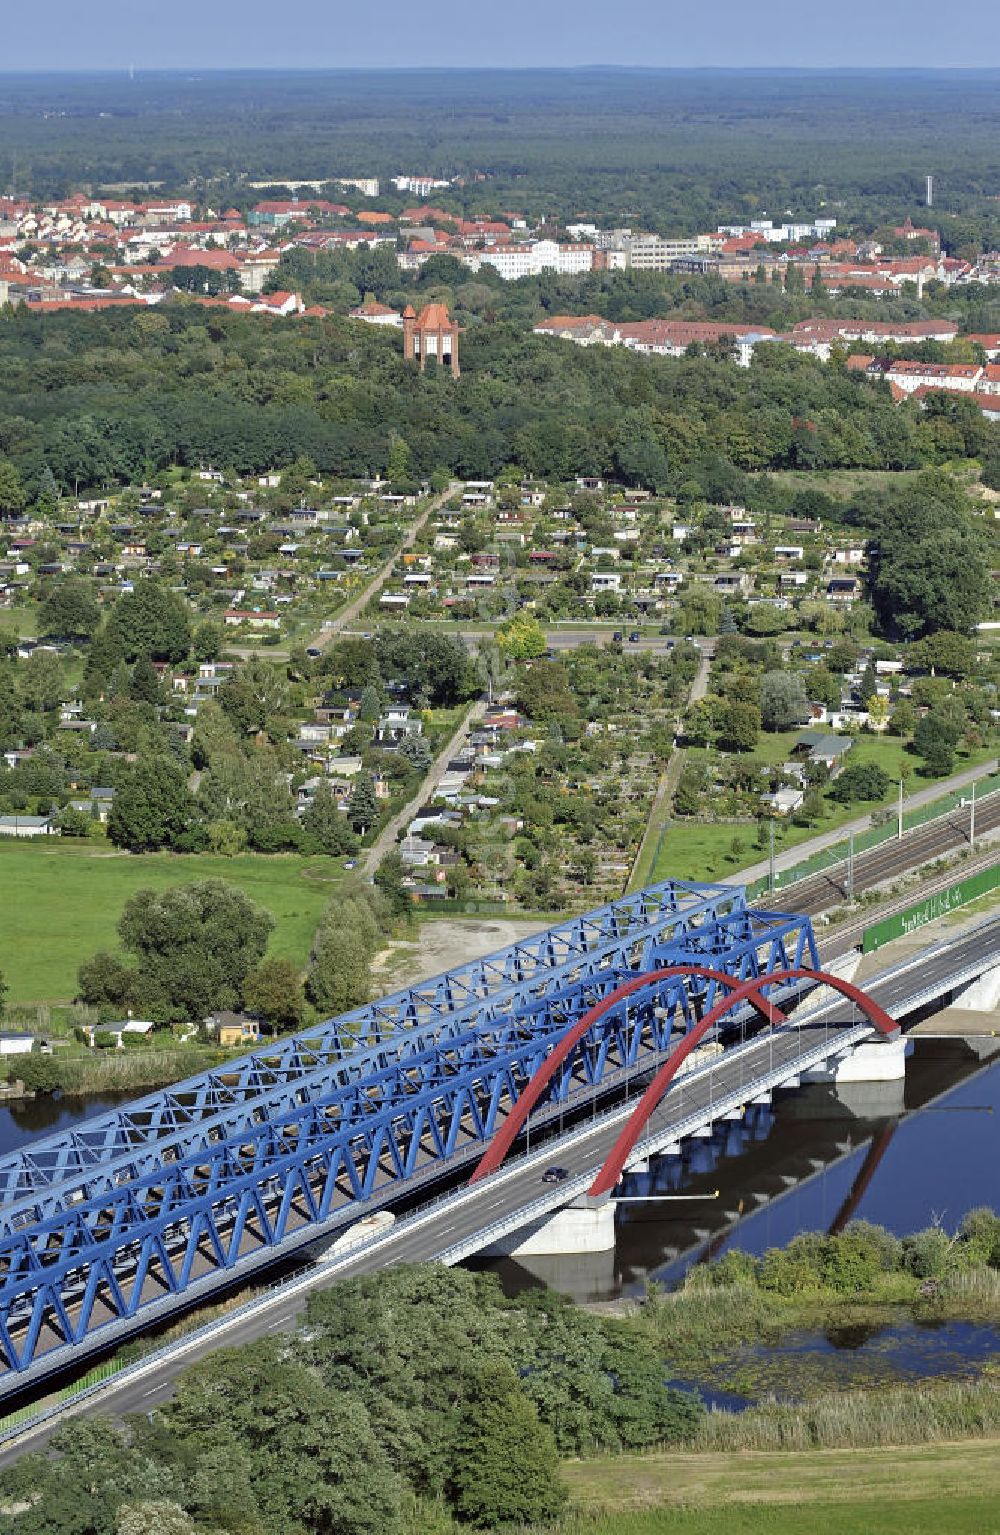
x=810, y=1161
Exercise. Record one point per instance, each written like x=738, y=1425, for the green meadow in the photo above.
x=60, y=901
x=926, y=1489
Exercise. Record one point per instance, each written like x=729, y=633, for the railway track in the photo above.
x=946, y=834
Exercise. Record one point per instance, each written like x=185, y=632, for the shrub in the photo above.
x=39, y=1073
x=793, y=1269
x=928, y=1254
x=854, y=1259
x=733, y=1268
x=980, y=1234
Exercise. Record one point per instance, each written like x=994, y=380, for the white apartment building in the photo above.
x=531, y=258
x=776, y=234
x=910, y=376
x=366, y=185
x=420, y=186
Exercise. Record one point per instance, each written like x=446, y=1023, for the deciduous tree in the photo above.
x=507, y=1467
x=783, y=702
x=152, y=621
x=151, y=807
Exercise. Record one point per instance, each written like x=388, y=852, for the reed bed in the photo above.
x=904, y=1414
x=698, y=1324
x=970, y=1291
x=115, y=1071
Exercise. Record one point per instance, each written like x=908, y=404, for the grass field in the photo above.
x=904, y=1490
x=958, y=1515
x=61, y=902
x=841, y=484
x=24, y=621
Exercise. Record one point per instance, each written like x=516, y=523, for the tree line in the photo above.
x=190, y=388
x=415, y=1400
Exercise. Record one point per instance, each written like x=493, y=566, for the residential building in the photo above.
x=374, y=313
x=233, y=1028
x=27, y=826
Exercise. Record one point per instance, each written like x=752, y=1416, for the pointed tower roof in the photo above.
x=434, y=317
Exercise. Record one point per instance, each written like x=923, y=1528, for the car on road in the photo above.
x=617, y=637
x=634, y=637
x=555, y=1175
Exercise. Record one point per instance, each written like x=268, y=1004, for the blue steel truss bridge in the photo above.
x=165, y=1202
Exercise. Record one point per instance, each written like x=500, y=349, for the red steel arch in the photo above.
x=512, y=1126
x=613, y=1168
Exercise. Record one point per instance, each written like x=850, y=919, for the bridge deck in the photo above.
x=466, y=1221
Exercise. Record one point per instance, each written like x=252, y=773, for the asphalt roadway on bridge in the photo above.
x=465, y=1213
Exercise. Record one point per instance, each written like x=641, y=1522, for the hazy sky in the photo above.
x=66, y=34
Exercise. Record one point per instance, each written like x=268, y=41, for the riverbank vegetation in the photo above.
x=78, y=1074
x=421, y=1400
x=721, y=1327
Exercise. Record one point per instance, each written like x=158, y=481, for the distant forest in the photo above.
x=658, y=149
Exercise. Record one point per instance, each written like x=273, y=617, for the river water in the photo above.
x=900, y=1154
x=29, y=1119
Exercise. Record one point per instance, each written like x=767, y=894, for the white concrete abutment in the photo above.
x=584, y=1226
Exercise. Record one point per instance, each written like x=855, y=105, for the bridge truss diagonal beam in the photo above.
x=275, y=1074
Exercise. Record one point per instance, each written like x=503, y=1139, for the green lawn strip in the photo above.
x=23, y=621
x=899, y=1488
x=842, y=483
x=62, y=900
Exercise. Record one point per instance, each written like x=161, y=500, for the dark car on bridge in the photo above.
x=555, y=1175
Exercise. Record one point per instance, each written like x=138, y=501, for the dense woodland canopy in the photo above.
x=95, y=401
x=408, y=1396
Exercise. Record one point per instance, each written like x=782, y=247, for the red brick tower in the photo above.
x=432, y=333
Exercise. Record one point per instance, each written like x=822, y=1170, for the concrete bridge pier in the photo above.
x=879, y=1060
x=983, y=995
x=584, y=1226
x=870, y=1081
